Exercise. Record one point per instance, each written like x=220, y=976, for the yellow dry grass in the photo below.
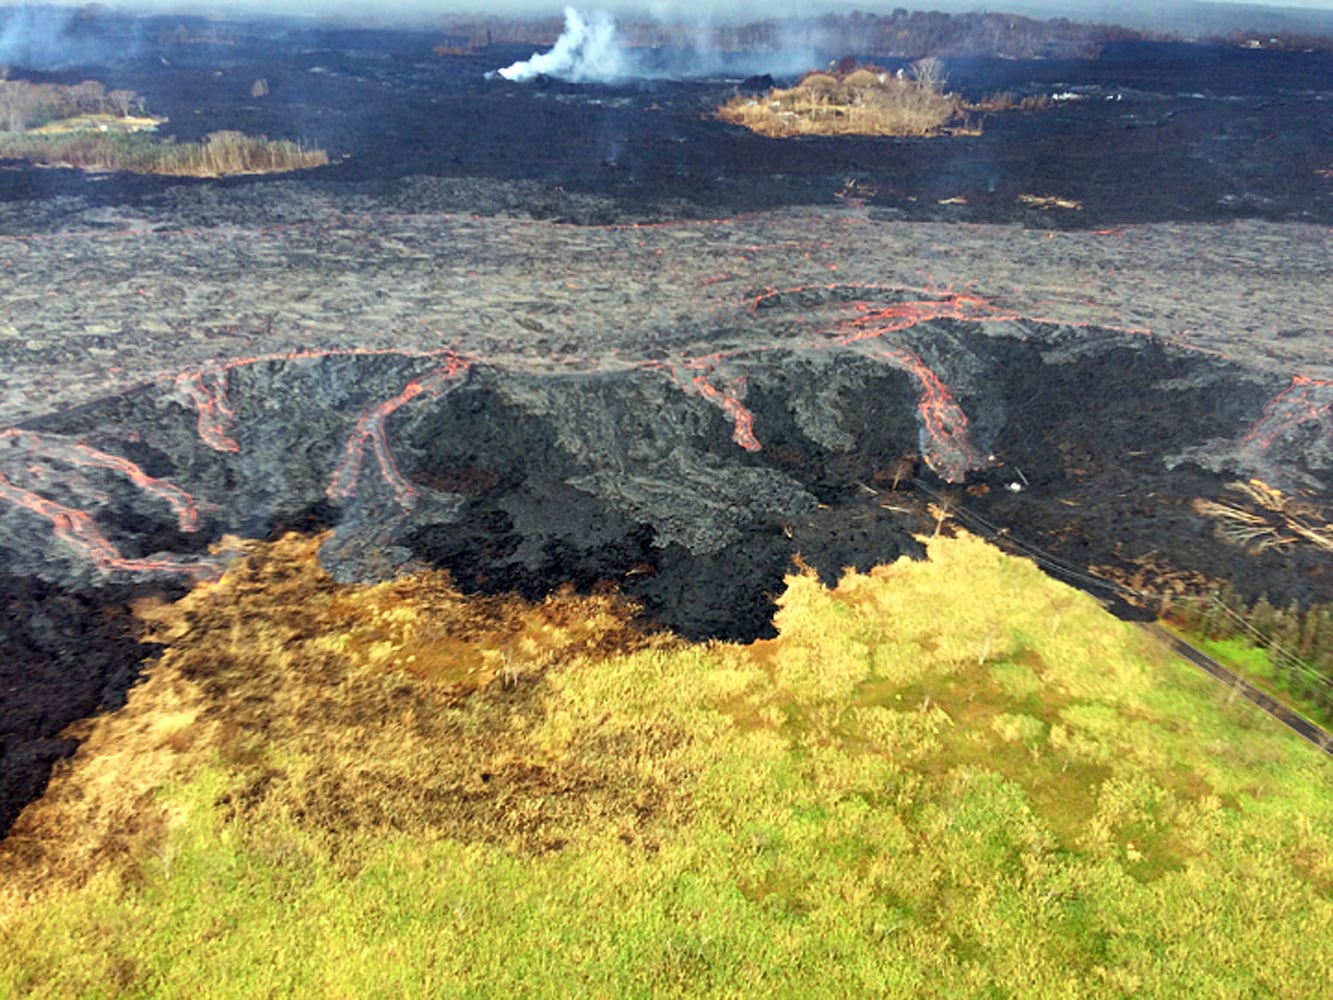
x=346, y=708
x=1046, y=202
x=99, y=123
x=221, y=154
x=862, y=102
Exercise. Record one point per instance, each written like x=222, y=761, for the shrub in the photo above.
x=818, y=82
x=866, y=100
x=862, y=77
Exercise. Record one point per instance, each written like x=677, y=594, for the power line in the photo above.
x=1289, y=661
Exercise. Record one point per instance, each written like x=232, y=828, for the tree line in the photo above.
x=24, y=104
x=1299, y=642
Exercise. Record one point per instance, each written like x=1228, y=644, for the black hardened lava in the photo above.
x=1091, y=444
x=1147, y=132
x=525, y=481
x=67, y=655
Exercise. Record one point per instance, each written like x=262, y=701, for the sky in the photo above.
x=667, y=9
x=1128, y=12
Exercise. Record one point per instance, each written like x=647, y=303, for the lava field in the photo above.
x=549, y=333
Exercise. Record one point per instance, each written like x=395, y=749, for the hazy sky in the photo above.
x=729, y=10
x=685, y=9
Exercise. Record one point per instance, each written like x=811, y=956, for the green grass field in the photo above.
x=949, y=778
x=1256, y=665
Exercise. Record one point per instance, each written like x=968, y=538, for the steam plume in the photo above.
x=589, y=50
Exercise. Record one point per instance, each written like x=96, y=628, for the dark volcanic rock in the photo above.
x=393, y=348
x=642, y=474
x=760, y=84
x=66, y=656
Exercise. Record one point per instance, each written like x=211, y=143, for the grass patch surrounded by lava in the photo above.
x=220, y=154
x=946, y=778
x=866, y=100
x=86, y=127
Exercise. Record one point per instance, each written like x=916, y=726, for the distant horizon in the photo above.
x=1092, y=10
x=1185, y=19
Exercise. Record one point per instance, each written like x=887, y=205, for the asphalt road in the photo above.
x=1298, y=724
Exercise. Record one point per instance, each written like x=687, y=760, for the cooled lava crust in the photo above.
x=684, y=454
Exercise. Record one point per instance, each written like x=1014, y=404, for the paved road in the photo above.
x=1296, y=723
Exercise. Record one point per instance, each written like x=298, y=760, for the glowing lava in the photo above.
x=208, y=391
x=75, y=527
x=78, y=530
x=78, y=453
x=943, y=438
x=369, y=434
x=1305, y=401
x=728, y=395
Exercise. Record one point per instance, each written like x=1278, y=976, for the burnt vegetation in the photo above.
x=901, y=34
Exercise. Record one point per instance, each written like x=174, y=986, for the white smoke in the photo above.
x=34, y=37
x=589, y=50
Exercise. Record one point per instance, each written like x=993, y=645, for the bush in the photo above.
x=862, y=101
x=861, y=78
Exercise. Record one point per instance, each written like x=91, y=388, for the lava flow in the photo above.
x=1305, y=401
x=729, y=395
x=943, y=436
x=78, y=453
x=78, y=530
x=208, y=391
x=944, y=442
x=944, y=426
x=76, y=527
x=369, y=433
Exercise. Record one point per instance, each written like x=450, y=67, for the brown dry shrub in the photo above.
x=405, y=707
x=862, y=77
x=818, y=82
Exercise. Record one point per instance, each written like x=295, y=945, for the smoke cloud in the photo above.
x=51, y=37
x=590, y=50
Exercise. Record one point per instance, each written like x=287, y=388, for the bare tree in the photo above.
x=929, y=74
x=18, y=102
x=122, y=101
x=90, y=96
x=904, y=470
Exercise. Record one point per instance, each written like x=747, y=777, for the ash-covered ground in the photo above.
x=550, y=333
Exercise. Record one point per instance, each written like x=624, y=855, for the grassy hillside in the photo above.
x=952, y=778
